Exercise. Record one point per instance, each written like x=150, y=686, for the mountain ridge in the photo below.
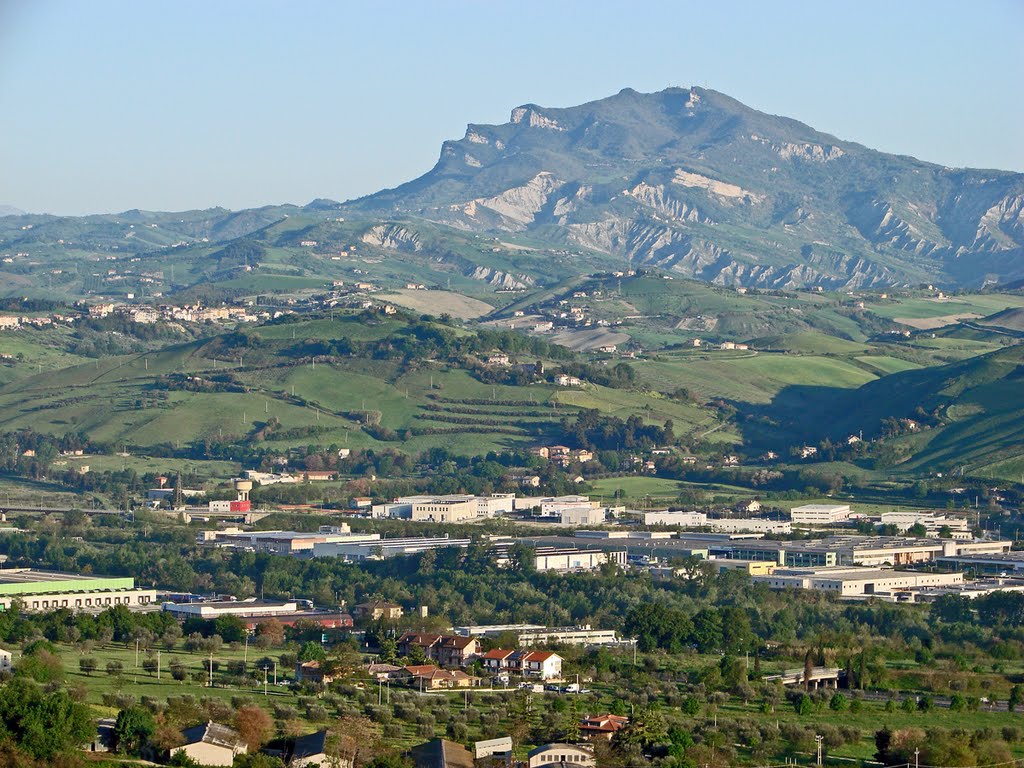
x=648, y=176
x=685, y=180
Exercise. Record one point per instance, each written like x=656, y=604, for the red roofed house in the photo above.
x=601, y=726
x=547, y=665
x=497, y=660
x=312, y=672
x=428, y=677
x=446, y=650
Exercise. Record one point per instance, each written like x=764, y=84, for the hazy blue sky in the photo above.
x=169, y=105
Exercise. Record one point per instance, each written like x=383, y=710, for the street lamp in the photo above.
x=819, y=739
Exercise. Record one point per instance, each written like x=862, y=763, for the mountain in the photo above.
x=692, y=181
x=10, y=210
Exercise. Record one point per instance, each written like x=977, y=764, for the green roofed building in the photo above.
x=38, y=591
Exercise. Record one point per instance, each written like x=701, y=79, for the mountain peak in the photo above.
x=694, y=181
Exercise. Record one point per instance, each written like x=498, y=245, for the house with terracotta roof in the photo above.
x=601, y=726
x=446, y=650
x=382, y=671
x=427, y=677
x=496, y=660
x=545, y=665
x=312, y=672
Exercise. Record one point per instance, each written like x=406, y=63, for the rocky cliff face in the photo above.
x=697, y=183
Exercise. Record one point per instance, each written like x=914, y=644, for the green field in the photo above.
x=886, y=365
x=750, y=377
x=923, y=308
x=637, y=489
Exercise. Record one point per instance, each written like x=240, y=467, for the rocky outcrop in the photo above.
x=533, y=118
x=501, y=280
x=722, y=189
x=878, y=221
x=395, y=237
x=657, y=198
x=520, y=205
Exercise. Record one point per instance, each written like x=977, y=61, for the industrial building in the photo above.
x=48, y=590
x=678, y=519
x=820, y=514
x=453, y=508
x=253, y=613
x=856, y=582
x=861, y=550
x=282, y=542
x=379, y=549
x=997, y=564
x=586, y=515
x=932, y=522
x=572, y=559
x=722, y=524
x=750, y=525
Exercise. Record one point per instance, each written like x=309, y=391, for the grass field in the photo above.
x=924, y=308
x=886, y=365
x=810, y=343
x=750, y=377
x=439, y=302
x=638, y=489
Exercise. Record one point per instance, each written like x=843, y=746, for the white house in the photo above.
x=547, y=665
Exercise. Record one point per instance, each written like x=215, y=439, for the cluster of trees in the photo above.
x=912, y=746
x=592, y=429
x=725, y=629
x=997, y=609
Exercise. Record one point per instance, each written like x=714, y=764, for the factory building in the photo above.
x=820, y=514
x=384, y=548
x=39, y=591
x=856, y=582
